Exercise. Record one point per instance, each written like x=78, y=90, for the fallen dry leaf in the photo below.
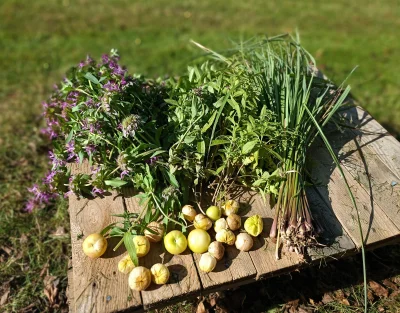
x=201, y=308
x=345, y=301
x=23, y=239
x=394, y=294
x=50, y=288
x=60, y=231
x=4, y=297
x=327, y=298
x=370, y=295
x=390, y=284
x=378, y=289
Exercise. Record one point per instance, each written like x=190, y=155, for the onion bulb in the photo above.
x=234, y=222
x=156, y=227
x=142, y=245
x=217, y=250
x=139, y=278
x=94, y=245
x=254, y=225
x=189, y=212
x=225, y=236
x=125, y=265
x=220, y=224
x=159, y=274
x=244, y=242
x=230, y=206
x=207, y=262
x=202, y=222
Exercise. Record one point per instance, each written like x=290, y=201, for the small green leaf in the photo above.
x=92, y=78
x=71, y=133
x=130, y=247
x=171, y=101
x=115, y=182
x=201, y=147
x=217, y=142
x=249, y=146
x=173, y=180
x=107, y=228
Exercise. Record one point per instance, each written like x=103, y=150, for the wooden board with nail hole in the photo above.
x=183, y=282
x=371, y=165
x=98, y=285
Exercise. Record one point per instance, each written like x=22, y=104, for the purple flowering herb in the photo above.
x=30, y=205
x=105, y=58
x=97, y=191
x=95, y=170
x=81, y=64
x=124, y=173
x=90, y=149
x=111, y=86
x=49, y=177
x=130, y=124
x=152, y=160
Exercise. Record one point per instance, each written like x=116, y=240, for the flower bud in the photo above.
x=189, y=213
x=156, y=227
x=125, y=265
x=202, y=222
x=230, y=206
x=139, y=278
x=225, y=236
x=234, y=222
x=216, y=249
x=159, y=274
x=220, y=224
x=244, y=242
x=254, y=225
x=142, y=245
x=207, y=262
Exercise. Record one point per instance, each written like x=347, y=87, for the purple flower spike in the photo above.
x=97, y=191
x=30, y=205
x=90, y=149
x=124, y=173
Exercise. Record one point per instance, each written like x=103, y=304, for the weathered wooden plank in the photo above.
x=98, y=285
x=184, y=280
x=367, y=168
x=377, y=138
x=234, y=269
x=334, y=241
x=375, y=224
x=70, y=288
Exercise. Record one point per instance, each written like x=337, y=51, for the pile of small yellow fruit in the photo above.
x=175, y=242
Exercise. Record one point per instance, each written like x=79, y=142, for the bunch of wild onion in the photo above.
x=302, y=103
x=113, y=121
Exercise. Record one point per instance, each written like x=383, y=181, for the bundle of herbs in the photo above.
x=115, y=122
x=254, y=115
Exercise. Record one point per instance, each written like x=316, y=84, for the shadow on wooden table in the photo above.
x=321, y=166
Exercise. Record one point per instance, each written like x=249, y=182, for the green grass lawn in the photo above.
x=41, y=39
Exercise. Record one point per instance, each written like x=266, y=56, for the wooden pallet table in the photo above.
x=371, y=163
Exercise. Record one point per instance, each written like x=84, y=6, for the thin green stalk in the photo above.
x=329, y=147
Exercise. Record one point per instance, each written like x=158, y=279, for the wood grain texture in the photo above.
x=183, y=281
x=98, y=285
x=70, y=289
x=365, y=164
x=375, y=224
x=334, y=242
x=372, y=134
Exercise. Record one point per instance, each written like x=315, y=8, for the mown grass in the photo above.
x=41, y=39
